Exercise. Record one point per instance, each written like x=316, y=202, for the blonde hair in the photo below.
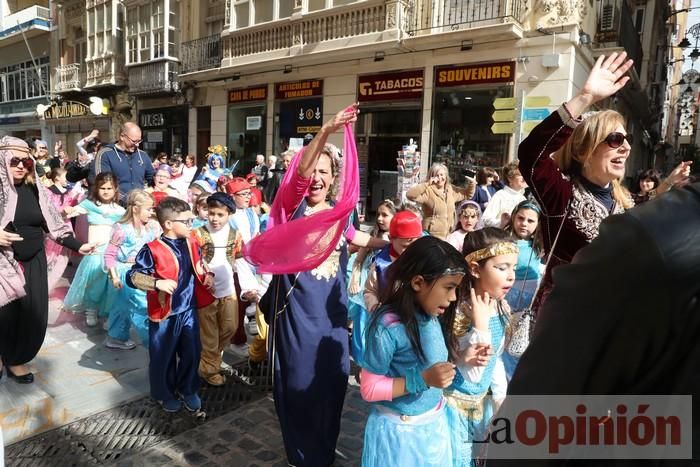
x=135, y=199
x=579, y=148
x=437, y=167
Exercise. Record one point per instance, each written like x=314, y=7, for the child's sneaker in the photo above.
x=192, y=403
x=171, y=406
x=226, y=369
x=91, y=318
x=112, y=343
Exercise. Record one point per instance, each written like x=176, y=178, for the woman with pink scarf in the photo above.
x=26, y=215
x=306, y=303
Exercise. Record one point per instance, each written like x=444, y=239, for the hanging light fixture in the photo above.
x=688, y=90
x=684, y=44
x=695, y=54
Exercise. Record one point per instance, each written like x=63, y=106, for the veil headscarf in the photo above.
x=11, y=274
x=290, y=246
x=472, y=204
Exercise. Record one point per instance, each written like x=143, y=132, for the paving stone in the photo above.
x=218, y=449
x=248, y=444
x=229, y=435
x=266, y=455
x=195, y=457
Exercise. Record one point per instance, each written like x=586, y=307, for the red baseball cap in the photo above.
x=237, y=184
x=405, y=224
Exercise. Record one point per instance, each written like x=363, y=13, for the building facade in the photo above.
x=24, y=67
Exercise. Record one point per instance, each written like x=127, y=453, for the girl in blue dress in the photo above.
x=88, y=290
x=406, y=359
x=128, y=305
x=361, y=262
x=475, y=333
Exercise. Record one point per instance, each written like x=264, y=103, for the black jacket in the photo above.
x=624, y=316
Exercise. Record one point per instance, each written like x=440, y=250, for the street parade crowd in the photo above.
x=440, y=297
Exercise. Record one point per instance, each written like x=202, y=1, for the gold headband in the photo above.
x=16, y=148
x=501, y=248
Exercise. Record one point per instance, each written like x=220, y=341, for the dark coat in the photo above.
x=624, y=316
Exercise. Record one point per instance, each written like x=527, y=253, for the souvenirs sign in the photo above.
x=390, y=86
x=458, y=75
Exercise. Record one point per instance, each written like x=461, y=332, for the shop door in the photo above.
x=388, y=131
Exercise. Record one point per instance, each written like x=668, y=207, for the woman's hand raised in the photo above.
x=345, y=116
x=607, y=76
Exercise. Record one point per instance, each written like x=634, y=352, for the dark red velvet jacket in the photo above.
x=559, y=195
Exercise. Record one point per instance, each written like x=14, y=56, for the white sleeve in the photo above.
x=246, y=277
x=499, y=380
x=472, y=373
x=492, y=213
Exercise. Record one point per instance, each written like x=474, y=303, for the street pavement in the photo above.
x=78, y=380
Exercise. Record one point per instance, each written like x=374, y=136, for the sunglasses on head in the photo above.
x=615, y=140
x=27, y=162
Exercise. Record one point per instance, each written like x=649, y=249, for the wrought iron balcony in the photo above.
x=616, y=29
x=201, y=54
x=69, y=78
x=105, y=71
x=453, y=15
x=154, y=77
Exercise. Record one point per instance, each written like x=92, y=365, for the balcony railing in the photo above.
x=616, y=28
x=201, y=54
x=452, y=15
x=69, y=78
x=36, y=15
x=105, y=71
x=153, y=78
x=326, y=25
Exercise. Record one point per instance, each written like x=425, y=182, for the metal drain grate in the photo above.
x=105, y=437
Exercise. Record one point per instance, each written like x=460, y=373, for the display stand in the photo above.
x=408, y=166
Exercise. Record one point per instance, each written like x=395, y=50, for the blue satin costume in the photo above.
x=174, y=347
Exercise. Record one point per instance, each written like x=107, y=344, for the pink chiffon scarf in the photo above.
x=291, y=246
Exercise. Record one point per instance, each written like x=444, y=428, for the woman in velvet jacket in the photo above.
x=573, y=164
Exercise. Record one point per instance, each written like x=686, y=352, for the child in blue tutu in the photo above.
x=475, y=333
x=128, y=306
x=406, y=364
x=88, y=290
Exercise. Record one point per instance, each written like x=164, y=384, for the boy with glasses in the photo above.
x=177, y=282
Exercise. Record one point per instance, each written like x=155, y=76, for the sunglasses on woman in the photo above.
x=615, y=140
x=27, y=162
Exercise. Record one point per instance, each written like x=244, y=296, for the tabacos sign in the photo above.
x=390, y=86
x=503, y=72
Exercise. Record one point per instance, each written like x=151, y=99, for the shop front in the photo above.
x=164, y=130
x=71, y=121
x=247, y=111
x=298, y=113
x=390, y=117
x=464, y=136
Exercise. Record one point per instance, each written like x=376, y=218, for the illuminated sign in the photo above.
x=391, y=86
x=308, y=88
x=503, y=72
x=247, y=95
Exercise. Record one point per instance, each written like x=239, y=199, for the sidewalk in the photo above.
x=89, y=405
x=75, y=376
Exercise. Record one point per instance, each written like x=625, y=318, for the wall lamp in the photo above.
x=467, y=44
x=378, y=56
x=287, y=69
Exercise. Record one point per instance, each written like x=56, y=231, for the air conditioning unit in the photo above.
x=608, y=17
